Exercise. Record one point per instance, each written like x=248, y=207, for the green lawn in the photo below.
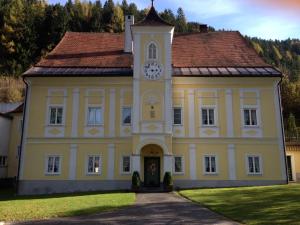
x=42, y=207
x=278, y=204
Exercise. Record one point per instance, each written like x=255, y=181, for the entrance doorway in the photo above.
x=152, y=171
x=289, y=167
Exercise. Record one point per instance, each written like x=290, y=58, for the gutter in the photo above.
x=282, y=128
x=22, y=135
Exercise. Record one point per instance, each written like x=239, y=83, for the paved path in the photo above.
x=150, y=208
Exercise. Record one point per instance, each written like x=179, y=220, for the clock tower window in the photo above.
x=152, y=52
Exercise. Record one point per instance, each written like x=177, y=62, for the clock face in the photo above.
x=152, y=71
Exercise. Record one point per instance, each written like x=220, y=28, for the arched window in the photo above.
x=152, y=52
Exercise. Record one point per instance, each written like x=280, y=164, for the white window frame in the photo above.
x=101, y=116
x=181, y=109
x=59, y=165
x=257, y=116
x=126, y=124
x=49, y=115
x=260, y=165
x=156, y=51
x=121, y=165
x=5, y=161
x=100, y=164
x=182, y=165
x=215, y=116
x=216, y=162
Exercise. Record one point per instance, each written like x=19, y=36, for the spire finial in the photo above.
x=152, y=2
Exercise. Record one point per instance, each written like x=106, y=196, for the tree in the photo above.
x=168, y=16
x=96, y=22
x=181, y=25
x=291, y=128
x=118, y=20
x=108, y=15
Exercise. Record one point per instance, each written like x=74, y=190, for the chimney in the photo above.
x=129, y=20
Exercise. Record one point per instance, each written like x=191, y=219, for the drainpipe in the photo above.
x=282, y=128
x=22, y=135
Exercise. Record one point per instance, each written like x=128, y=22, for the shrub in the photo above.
x=136, y=181
x=168, y=181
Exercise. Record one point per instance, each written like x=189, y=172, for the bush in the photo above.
x=168, y=181
x=136, y=181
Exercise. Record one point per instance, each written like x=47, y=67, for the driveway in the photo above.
x=150, y=208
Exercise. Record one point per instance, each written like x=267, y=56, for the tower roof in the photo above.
x=153, y=19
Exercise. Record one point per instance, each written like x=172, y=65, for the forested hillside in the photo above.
x=29, y=29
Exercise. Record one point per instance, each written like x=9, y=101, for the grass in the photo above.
x=279, y=204
x=42, y=207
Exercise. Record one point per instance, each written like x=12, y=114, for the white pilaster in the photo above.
x=111, y=162
x=231, y=162
x=168, y=106
x=229, y=113
x=73, y=159
x=191, y=102
x=136, y=163
x=280, y=131
x=168, y=163
x=136, y=105
x=112, y=112
x=75, y=111
x=192, y=153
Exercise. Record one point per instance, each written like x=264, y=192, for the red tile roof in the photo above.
x=105, y=50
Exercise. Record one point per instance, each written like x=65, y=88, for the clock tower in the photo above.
x=152, y=87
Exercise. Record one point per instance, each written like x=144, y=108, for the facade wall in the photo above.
x=294, y=152
x=5, y=124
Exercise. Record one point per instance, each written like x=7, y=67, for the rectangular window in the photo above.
x=53, y=164
x=95, y=116
x=3, y=161
x=254, y=164
x=178, y=164
x=208, y=116
x=250, y=117
x=94, y=164
x=56, y=115
x=177, y=116
x=210, y=164
x=126, y=115
x=126, y=164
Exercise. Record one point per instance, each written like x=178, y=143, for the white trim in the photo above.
x=46, y=173
x=111, y=161
x=192, y=154
x=87, y=173
x=229, y=112
x=279, y=126
x=112, y=112
x=73, y=160
x=216, y=162
x=168, y=164
x=87, y=115
x=75, y=112
x=156, y=51
x=181, y=115
x=231, y=162
x=191, y=103
x=182, y=165
x=122, y=108
x=122, y=172
x=136, y=106
x=25, y=131
x=167, y=116
x=207, y=108
x=260, y=173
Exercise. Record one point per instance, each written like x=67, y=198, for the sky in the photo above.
x=268, y=19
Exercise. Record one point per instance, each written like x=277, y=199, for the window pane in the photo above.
x=52, y=115
x=126, y=164
x=91, y=116
x=96, y=164
x=257, y=166
x=211, y=117
x=56, y=165
x=59, y=116
x=50, y=165
x=250, y=162
x=253, y=117
x=178, y=164
x=177, y=115
x=207, y=164
x=204, y=117
x=126, y=115
x=90, y=164
x=98, y=119
x=213, y=164
x=247, y=117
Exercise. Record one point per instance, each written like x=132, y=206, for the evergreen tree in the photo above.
x=108, y=15
x=181, y=25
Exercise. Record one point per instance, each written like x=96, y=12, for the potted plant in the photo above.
x=168, y=182
x=136, y=181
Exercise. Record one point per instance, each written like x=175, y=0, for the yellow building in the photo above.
x=293, y=160
x=203, y=106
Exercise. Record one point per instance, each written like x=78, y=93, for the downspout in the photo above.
x=22, y=135
x=282, y=128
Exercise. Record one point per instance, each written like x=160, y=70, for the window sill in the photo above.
x=126, y=173
x=94, y=125
x=254, y=174
x=126, y=124
x=209, y=126
x=211, y=174
x=93, y=174
x=178, y=173
x=52, y=174
x=177, y=125
x=252, y=127
x=55, y=125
